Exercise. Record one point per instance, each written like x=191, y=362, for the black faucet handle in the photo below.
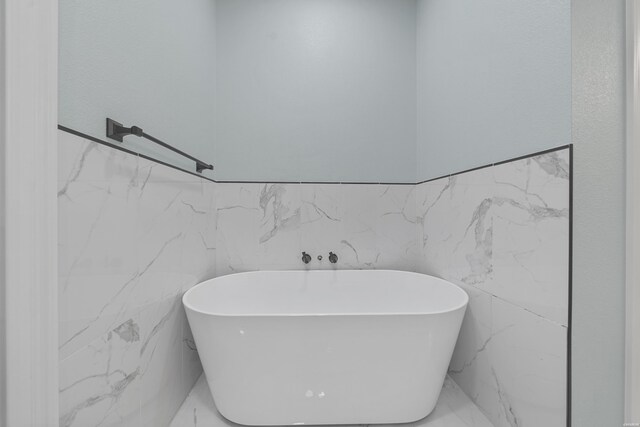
x=306, y=258
x=333, y=258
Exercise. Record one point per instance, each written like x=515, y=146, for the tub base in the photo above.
x=326, y=370
x=453, y=408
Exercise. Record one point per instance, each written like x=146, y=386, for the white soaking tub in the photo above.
x=325, y=347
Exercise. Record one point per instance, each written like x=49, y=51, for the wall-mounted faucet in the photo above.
x=306, y=258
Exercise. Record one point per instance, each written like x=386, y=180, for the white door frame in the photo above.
x=28, y=213
x=632, y=332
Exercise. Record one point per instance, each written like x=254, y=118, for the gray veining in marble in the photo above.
x=128, y=331
x=134, y=235
x=267, y=226
x=502, y=234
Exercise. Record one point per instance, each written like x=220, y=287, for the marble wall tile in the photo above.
x=267, y=226
x=470, y=358
x=100, y=383
x=172, y=223
x=238, y=220
x=502, y=234
x=531, y=234
x=395, y=226
x=279, y=237
x=82, y=160
x=133, y=236
x=323, y=223
x=154, y=172
x=457, y=227
x=190, y=360
x=137, y=374
x=529, y=361
x=97, y=258
x=511, y=362
x=162, y=381
x=379, y=226
x=503, y=229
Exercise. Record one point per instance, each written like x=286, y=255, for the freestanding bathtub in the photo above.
x=325, y=347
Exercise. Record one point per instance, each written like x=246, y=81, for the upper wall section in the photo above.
x=149, y=63
x=316, y=90
x=321, y=90
x=494, y=81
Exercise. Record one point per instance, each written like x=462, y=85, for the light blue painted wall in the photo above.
x=494, y=81
x=144, y=62
x=320, y=90
x=316, y=90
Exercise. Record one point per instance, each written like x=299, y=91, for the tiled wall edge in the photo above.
x=133, y=153
x=502, y=162
x=116, y=147
x=570, y=290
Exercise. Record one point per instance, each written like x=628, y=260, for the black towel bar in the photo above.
x=117, y=131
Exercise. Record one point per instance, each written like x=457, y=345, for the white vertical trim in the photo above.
x=3, y=352
x=29, y=171
x=632, y=333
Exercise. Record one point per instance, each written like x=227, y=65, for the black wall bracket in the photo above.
x=117, y=132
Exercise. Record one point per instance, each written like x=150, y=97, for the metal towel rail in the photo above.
x=117, y=131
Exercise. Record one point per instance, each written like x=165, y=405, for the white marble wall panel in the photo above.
x=502, y=233
x=267, y=226
x=133, y=236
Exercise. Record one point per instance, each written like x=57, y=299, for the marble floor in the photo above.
x=454, y=409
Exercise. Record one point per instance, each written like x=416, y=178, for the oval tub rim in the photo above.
x=255, y=272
